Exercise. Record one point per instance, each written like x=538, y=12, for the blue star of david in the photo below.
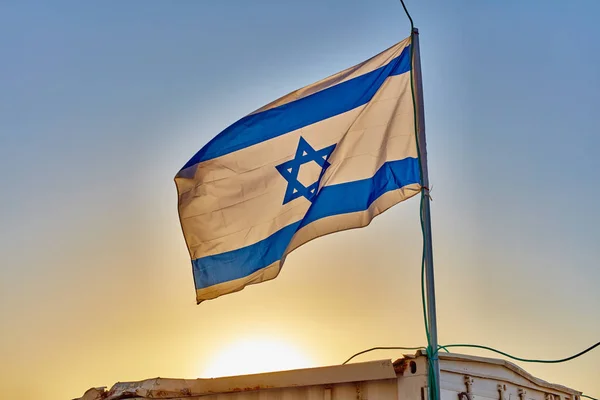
x=290, y=169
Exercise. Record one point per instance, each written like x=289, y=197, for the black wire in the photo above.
x=382, y=348
x=477, y=346
x=408, y=15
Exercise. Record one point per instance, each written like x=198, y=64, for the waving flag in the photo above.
x=325, y=158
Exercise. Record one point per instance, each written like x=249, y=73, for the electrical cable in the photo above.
x=408, y=15
x=391, y=348
x=382, y=348
x=477, y=346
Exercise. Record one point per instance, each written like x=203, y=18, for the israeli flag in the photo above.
x=325, y=158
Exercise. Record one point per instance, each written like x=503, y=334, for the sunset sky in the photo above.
x=101, y=103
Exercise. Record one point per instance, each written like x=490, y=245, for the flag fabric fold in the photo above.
x=328, y=157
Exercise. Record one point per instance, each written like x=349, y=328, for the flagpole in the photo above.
x=430, y=282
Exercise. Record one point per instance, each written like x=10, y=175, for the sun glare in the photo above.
x=251, y=356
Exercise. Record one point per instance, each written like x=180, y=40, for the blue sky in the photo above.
x=101, y=104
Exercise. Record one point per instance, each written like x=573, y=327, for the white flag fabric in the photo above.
x=325, y=158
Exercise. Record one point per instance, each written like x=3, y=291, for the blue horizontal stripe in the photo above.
x=332, y=200
x=257, y=128
x=242, y=262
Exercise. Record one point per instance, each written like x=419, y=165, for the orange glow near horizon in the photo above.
x=256, y=355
